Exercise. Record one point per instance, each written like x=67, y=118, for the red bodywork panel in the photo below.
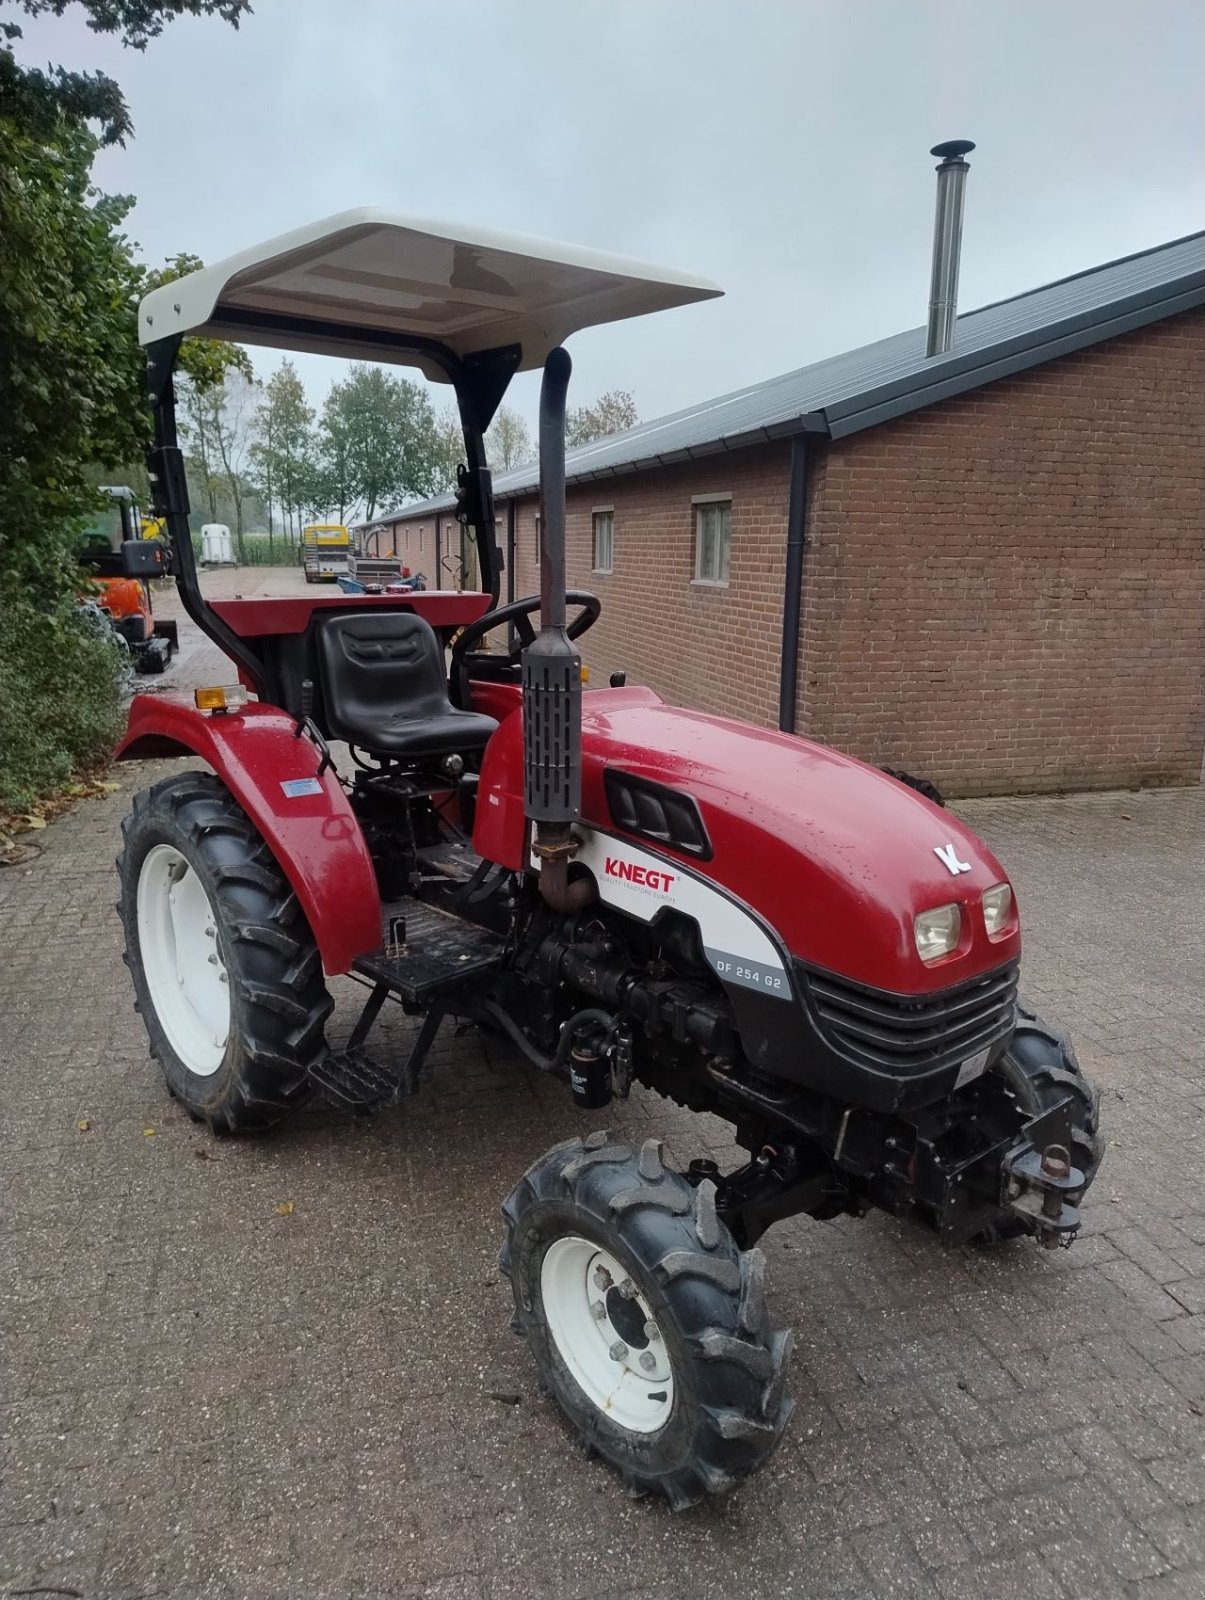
x=315, y=837
x=444, y=609
x=835, y=856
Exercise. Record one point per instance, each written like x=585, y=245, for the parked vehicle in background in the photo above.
x=325, y=547
x=369, y=565
x=125, y=597
x=217, y=548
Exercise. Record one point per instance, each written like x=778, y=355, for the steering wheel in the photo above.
x=468, y=662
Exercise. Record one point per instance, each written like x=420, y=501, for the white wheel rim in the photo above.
x=606, y=1335
x=177, y=939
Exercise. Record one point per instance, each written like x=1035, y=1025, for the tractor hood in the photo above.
x=836, y=857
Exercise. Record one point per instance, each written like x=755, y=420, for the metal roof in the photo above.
x=862, y=388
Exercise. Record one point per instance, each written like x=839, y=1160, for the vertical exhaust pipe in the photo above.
x=947, y=243
x=552, y=673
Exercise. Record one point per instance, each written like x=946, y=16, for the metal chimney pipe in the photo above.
x=947, y=243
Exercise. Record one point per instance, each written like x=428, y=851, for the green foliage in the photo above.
x=205, y=363
x=71, y=385
x=282, y=458
x=261, y=551
x=60, y=701
x=70, y=368
x=612, y=412
x=39, y=100
x=377, y=442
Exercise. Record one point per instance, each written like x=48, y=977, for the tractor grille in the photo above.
x=907, y=1033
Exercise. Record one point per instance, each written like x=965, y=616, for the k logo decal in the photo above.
x=948, y=857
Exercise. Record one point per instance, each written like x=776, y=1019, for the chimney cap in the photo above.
x=953, y=149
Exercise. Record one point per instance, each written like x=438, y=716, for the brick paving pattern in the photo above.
x=207, y=1397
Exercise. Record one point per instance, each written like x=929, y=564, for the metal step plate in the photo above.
x=437, y=951
x=353, y=1079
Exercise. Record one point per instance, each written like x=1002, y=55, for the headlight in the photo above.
x=938, y=932
x=997, y=906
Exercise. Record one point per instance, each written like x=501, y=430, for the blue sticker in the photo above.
x=294, y=787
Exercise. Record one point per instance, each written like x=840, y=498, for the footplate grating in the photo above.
x=352, y=1078
x=433, y=951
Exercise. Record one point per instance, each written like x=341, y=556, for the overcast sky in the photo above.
x=777, y=146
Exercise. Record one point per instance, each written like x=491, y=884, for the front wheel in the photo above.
x=226, y=972
x=1039, y=1070
x=647, y=1323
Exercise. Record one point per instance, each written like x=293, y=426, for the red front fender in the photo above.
x=314, y=836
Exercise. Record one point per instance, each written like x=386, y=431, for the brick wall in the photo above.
x=715, y=648
x=1002, y=592
x=1007, y=591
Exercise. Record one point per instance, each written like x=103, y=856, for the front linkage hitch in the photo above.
x=1044, y=1190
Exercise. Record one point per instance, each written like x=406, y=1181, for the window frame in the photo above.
x=699, y=504
x=595, y=513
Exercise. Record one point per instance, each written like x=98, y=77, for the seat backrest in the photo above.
x=379, y=662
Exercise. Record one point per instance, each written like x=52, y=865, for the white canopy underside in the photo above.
x=373, y=272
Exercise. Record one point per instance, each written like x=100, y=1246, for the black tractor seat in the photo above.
x=385, y=688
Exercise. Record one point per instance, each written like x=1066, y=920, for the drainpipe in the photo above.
x=510, y=550
x=792, y=609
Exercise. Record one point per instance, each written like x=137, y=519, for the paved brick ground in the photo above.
x=207, y=1398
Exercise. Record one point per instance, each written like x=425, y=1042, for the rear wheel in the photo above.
x=648, y=1324
x=226, y=972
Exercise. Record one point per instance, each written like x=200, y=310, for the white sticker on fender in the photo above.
x=641, y=884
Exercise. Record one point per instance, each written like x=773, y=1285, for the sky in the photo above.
x=779, y=147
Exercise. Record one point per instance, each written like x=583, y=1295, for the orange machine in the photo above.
x=125, y=600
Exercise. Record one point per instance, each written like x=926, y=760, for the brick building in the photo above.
x=986, y=566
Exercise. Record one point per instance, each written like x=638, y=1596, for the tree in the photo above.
x=449, y=450
x=282, y=455
x=336, y=486
x=218, y=423
x=384, y=433
x=508, y=443
x=204, y=362
x=72, y=386
x=611, y=413
x=39, y=101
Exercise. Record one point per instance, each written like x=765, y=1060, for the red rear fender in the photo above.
x=305, y=819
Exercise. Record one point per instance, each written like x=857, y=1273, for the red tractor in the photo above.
x=631, y=892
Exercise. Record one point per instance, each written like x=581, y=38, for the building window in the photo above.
x=604, y=539
x=713, y=539
x=538, y=551
x=420, y=541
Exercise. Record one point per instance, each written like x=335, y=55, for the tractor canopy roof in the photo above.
x=370, y=283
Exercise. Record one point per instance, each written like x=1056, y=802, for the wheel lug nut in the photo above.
x=602, y=1279
x=619, y=1351
x=627, y=1289
x=213, y=961
x=648, y=1360
x=651, y=1331
x=597, y=1310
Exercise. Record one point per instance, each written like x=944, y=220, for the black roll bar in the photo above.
x=479, y=380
